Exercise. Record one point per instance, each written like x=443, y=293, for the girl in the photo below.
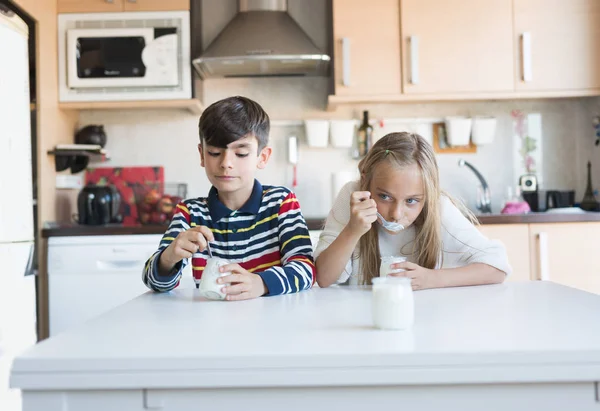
x=399, y=179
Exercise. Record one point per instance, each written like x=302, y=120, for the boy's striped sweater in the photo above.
x=267, y=236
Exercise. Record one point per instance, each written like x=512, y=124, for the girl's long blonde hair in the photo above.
x=404, y=149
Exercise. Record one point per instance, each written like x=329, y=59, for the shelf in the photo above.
x=334, y=101
x=192, y=105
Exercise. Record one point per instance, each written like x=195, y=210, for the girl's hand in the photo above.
x=363, y=212
x=244, y=284
x=421, y=278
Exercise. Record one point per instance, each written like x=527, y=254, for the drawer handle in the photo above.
x=543, y=253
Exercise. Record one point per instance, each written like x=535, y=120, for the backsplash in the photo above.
x=170, y=138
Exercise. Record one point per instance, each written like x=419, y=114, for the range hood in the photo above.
x=262, y=40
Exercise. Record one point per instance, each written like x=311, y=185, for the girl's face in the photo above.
x=398, y=192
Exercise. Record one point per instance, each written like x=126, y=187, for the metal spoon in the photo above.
x=208, y=249
x=390, y=226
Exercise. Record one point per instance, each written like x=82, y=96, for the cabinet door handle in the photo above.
x=132, y=1
x=543, y=253
x=414, y=59
x=109, y=1
x=526, y=49
x=346, y=61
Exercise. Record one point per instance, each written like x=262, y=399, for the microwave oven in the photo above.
x=124, y=56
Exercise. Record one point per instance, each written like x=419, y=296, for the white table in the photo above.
x=504, y=347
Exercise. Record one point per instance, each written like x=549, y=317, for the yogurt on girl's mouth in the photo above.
x=209, y=288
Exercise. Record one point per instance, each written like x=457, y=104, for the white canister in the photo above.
x=342, y=132
x=209, y=288
x=384, y=267
x=484, y=130
x=392, y=303
x=458, y=130
x=317, y=133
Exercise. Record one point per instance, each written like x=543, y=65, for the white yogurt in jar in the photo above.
x=208, y=282
x=384, y=267
x=392, y=303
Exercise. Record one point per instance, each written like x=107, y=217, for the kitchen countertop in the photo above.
x=69, y=229
x=527, y=332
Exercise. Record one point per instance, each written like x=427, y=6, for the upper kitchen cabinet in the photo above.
x=457, y=46
x=366, y=47
x=557, y=44
x=107, y=6
x=156, y=5
x=89, y=6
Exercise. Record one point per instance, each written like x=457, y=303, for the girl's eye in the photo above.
x=412, y=201
x=384, y=196
x=241, y=155
x=214, y=153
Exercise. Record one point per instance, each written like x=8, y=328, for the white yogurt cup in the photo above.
x=209, y=288
x=392, y=302
x=384, y=267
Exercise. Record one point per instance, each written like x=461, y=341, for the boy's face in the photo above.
x=233, y=168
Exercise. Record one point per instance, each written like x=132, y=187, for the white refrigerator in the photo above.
x=17, y=286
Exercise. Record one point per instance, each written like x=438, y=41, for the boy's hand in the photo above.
x=363, y=212
x=184, y=246
x=244, y=284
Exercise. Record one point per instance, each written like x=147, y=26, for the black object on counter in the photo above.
x=589, y=202
x=98, y=205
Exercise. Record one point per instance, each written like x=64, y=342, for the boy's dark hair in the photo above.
x=232, y=118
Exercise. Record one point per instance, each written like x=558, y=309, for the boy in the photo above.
x=260, y=229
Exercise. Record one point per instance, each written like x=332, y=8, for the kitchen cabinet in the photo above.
x=107, y=6
x=567, y=254
x=366, y=47
x=156, y=5
x=515, y=238
x=456, y=46
x=557, y=44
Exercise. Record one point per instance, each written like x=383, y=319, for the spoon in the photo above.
x=390, y=226
x=208, y=249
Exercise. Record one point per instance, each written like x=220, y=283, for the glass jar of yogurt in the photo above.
x=208, y=282
x=384, y=267
x=392, y=303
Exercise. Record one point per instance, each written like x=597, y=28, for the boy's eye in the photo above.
x=214, y=153
x=242, y=155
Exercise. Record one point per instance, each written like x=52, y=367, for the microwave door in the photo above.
x=100, y=58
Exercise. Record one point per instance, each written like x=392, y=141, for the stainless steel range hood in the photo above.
x=262, y=40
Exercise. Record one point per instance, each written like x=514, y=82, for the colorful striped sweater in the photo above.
x=267, y=236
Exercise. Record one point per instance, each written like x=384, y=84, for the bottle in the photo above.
x=364, y=137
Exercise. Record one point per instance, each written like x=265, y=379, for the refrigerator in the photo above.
x=17, y=279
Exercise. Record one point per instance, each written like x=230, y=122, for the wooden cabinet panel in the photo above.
x=515, y=238
x=367, y=43
x=564, y=44
x=567, y=254
x=456, y=46
x=89, y=6
x=156, y=5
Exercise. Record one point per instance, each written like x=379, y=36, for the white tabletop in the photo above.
x=513, y=332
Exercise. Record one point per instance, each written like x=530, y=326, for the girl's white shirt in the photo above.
x=462, y=242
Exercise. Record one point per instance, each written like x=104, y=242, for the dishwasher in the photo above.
x=90, y=275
